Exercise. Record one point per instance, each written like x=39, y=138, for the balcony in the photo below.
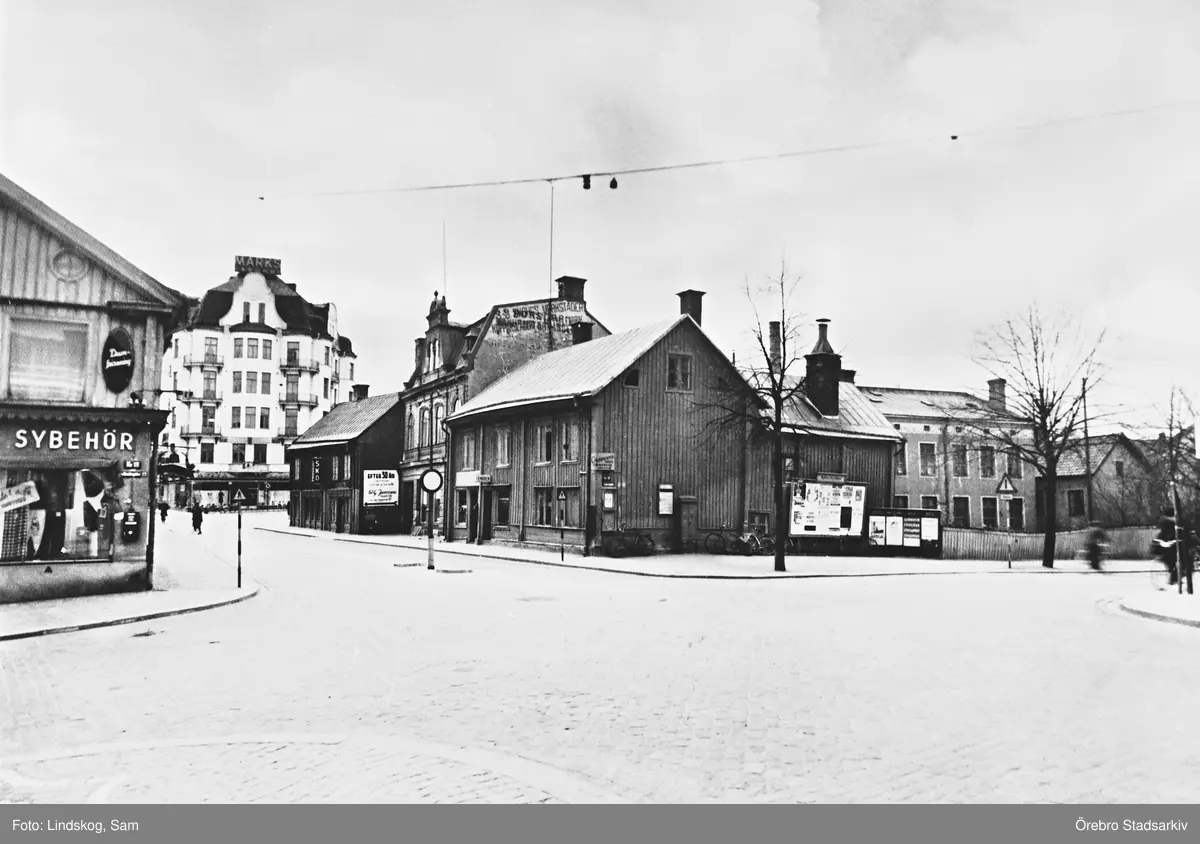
x=203, y=397
x=202, y=431
x=291, y=364
x=335, y=377
x=305, y=399
x=206, y=361
x=286, y=435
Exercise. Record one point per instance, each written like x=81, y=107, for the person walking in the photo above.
x=1097, y=541
x=1165, y=544
x=197, y=517
x=162, y=510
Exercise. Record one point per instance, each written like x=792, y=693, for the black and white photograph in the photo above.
x=640, y=402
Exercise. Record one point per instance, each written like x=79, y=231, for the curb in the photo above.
x=1154, y=616
x=785, y=576
x=92, y=625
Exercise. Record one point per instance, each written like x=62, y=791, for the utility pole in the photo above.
x=1087, y=453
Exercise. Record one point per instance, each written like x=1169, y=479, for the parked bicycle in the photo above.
x=725, y=540
x=628, y=542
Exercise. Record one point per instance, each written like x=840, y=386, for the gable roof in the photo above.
x=932, y=404
x=858, y=417
x=67, y=231
x=346, y=421
x=1074, y=460
x=584, y=369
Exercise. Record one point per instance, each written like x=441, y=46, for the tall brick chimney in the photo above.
x=996, y=393
x=571, y=288
x=823, y=374
x=689, y=304
x=581, y=332
x=359, y=392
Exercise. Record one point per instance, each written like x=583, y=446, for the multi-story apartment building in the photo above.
x=455, y=361
x=250, y=369
x=944, y=464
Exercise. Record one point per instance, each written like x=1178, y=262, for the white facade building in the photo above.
x=253, y=366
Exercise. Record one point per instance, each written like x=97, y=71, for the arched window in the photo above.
x=409, y=430
x=424, y=426
x=453, y=403
x=438, y=413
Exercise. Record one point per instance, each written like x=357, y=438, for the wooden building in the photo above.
x=1123, y=488
x=82, y=332
x=455, y=361
x=344, y=475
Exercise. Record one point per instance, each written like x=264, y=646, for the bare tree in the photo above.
x=1045, y=362
x=773, y=379
x=1172, y=456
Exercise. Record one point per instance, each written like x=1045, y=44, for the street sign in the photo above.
x=1006, y=486
x=239, y=497
x=431, y=480
x=133, y=474
x=1006, y=497
x=562, y=495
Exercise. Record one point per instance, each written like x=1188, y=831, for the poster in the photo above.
x=929, y=529
x=827, y=509
x=895, y=530
x=21, y=495
x=877, y=530
x=381, y=487
x=912, y=531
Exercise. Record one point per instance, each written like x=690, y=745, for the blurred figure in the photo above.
x=1097, y=545
x=1164, y=544
x=197, y=516
x=162, y=510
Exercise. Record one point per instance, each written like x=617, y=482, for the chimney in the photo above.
x=689, y=303
x=581, y=332
x=776, y=348
x=996, y=393
x=359, y=392
x=571, y=288
x=419, y=354
x=823, y=374
x=848, y=376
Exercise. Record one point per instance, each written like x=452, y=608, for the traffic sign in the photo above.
x=431, y=480
x=1006, y=486
x=239, y=496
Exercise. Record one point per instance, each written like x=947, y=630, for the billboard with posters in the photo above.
x=827, y=509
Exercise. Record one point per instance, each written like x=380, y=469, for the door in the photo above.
x=407, y=492
x=485, y=517
x=341, y=515
x=472, y=515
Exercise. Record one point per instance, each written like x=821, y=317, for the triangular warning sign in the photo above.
x=1006, y=486
x=241, y=496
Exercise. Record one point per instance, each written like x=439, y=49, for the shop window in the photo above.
x=267, y=351
x=503, y=441
x=237, y=382
x=958, y=457
x=961, y=506
x=237, y=347
x=1016, y=514
x=567, y=433
x=900, y=502
x=679, y=372
x=239, y=452
x=928, y=460
x=206, y=453
x=543, y=505
x=987, y=462
x=260, y=453
x=1075, y=506
x=503, y=502
x=991, y=519
x=460, y=509
x=902, y=459
x=929, y=502
x=74, y=517
x=47, y=360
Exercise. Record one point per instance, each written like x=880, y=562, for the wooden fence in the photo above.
x=1130, y=543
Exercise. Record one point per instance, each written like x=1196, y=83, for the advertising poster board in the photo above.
x=381, y=487
x=877, y=529
x=827, y=509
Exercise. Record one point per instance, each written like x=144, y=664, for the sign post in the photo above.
x=239, y=498
x=431, y=482
x=562, y=530
x=1005, y=490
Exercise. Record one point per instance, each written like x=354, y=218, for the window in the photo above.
x=208, y=419
x=291, y=422
x=175, y=381
x=239, y=452
x=958, y=454
x=326, y=380
x=467, y=450
x=902, y=459
x=266, y=350
x=351, y=370
x=264, y=417
x=47, y=360
x=260, y=453
x=250, y=417
x=1014, y=466
x=961, y=506
x=206, y=452
x=251, y=348
x=175, y=345
x=293, y=353
x=503, y=502
x=210, y=385
x=262, y=312
x=409, y=430
x=266, y=383
x=235, y=417
x=210, y=349
x=1075, y=506
x=327, y=356
x=544, y=443
x=1120, y=468
x=295, y=468
x=900, y=502
x=929, y=502
x=1016, y=514
x=503, y=440
x=990, y=519
x=679, y=372
x=925, y=428
x=292, y=386
x=346, y=466
x=439, y=433
x=567, y=432
x=237, y=347
x=987, y=462
x=543, y=505
x=251, y=382
x=245, y=311
x=928, y=460
x=632, y=376
x=758, y=522
x=237, y=382
x=424, y=426
x=336, y=469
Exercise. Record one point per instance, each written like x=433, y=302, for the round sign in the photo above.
x=431, y=480
x=266, y=486
x=116, y=360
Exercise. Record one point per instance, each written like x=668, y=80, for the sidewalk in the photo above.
x=720, y=567
x=1167, y=605
x=184, y=581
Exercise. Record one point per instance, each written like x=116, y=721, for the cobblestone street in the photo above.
x=349, y=679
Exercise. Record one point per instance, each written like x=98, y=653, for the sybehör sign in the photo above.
x=24, y=440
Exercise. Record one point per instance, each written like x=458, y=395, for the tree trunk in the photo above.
x=1050, y=498
x=781, y=515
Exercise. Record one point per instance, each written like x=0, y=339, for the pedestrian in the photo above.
x=162, y=510
x=1164, y=543
x=1097, y=541
x=197, y=516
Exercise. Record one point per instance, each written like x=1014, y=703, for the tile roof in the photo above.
x=46, y=216
x=857, y=416
x=346, y=421
x=1074, y=460
x=586, y=368
x=929, y=404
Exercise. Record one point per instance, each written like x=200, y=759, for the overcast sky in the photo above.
x=156, y=126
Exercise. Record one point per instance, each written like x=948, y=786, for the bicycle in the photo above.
x=628, y=541
x=746, y=543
